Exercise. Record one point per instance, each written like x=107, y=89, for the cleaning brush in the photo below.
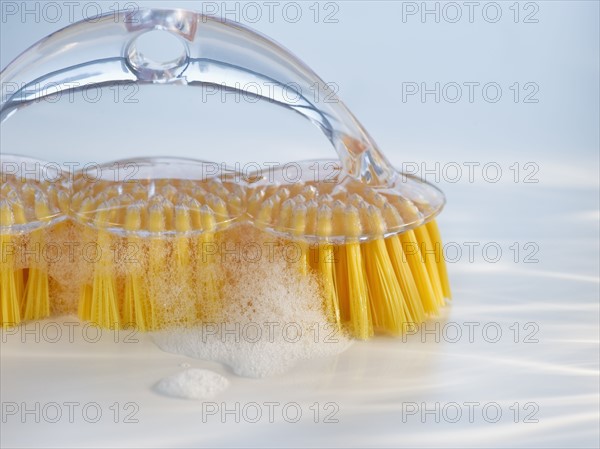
x=33, y=200
x=366, y=231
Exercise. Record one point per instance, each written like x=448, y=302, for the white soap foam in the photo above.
x=193, y=384
x=268, y=356
x=272, y=318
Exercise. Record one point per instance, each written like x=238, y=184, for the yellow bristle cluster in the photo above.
x=326, y=258
x=158, y=255
x=137, y=307
x=27, y=207
x=209, y=283
x=157, y=239
x=356, y=277
x=152, y=250
x=374, y=278
x=37, y=302
x=11, y=279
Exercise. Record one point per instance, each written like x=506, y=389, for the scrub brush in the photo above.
x=32, y=201
x=366, y=230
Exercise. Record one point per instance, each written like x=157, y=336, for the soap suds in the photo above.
x=193, y=384
x=272, y=319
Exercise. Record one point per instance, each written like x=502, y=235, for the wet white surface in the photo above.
x=519, y=339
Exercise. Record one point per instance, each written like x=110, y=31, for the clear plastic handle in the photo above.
x=211, y=52
x=206, y=51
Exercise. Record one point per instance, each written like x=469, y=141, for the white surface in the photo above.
x=374, y=385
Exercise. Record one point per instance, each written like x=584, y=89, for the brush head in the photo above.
x=157, y=196
x=33, y=194
x=318, y=201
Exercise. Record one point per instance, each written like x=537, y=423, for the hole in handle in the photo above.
x=157, y=55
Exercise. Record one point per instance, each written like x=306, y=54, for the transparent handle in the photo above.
x=207, y=51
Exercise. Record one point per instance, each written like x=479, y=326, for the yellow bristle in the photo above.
x=217, y=205
x=63, y=200
x=284, y=215
x=419, y=271
x=234, y=203
x=18, y=213
x=210, y=288
x=28, y=192
x=360, y=313
x=183, y=225
x=87, y=206
x=276, y=201
x=280, y=199
x=84, y=307
x=385, y=295
x=156, y=218
x=169, y=190
x=158, y=265
x=51, y=193
x=264, y=213
x=168, y=211
x=255, y=201
x=194, y=209
x=340, y=271
x=412, y=296
x=429, y=254
x=183, y=260
x=311, y=229
x=436, y=239
x=298, y=229
x=36, y=302
x=410, y=291
x=326, y=264
x=138, y=191
x=10, y=298
x=41, y=206
x=104, y=309
x=76, y=201
x=119, y=209
x=20, y=219
x=312, y=208
x=309, y=192
x=137, y=307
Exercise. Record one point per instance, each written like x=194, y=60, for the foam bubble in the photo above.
x=263, y=358
x=193, y=384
